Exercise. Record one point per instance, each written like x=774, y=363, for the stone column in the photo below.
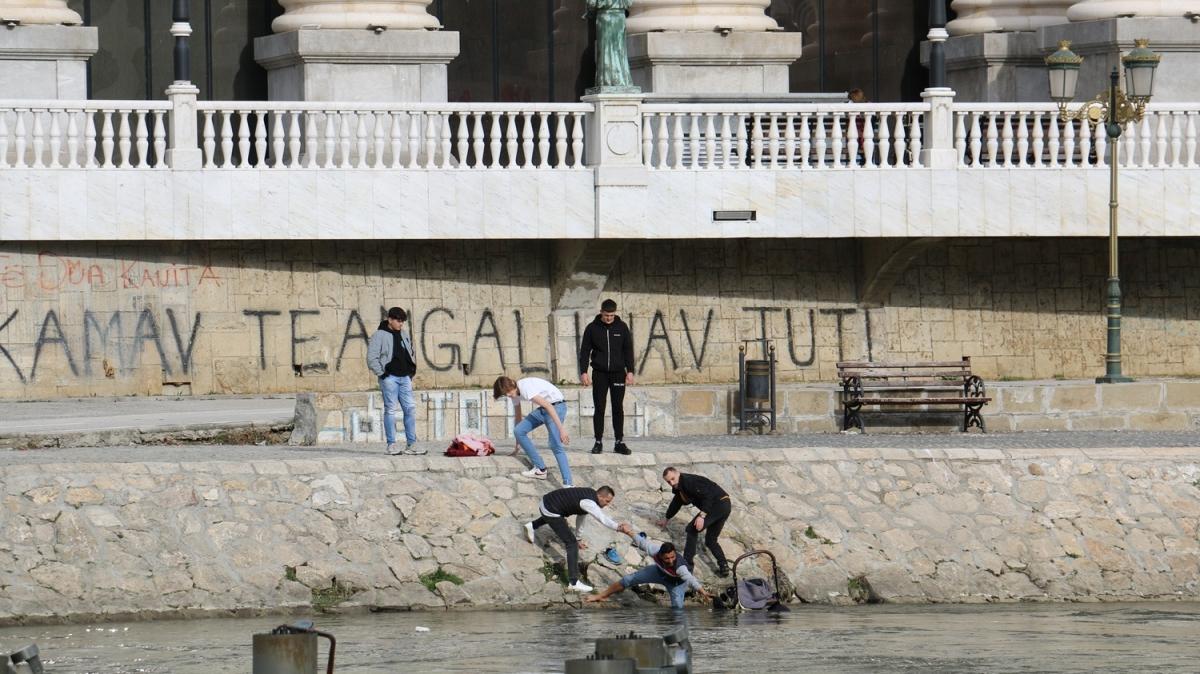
x=355, y=50
x=994, y=53
x=699, y=47
x=1102, y=30
x=993, y=16
x=43, y=50
x=1091, y=10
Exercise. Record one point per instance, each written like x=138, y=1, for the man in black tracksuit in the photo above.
x=714, y=506
x=607, y=344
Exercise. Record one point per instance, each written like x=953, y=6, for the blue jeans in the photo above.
x=398, y=392
x=537, y=418
x=652, y=574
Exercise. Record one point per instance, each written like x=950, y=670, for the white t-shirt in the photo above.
x=530, y=387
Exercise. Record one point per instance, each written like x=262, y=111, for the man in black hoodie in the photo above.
x=714, y=506
x=608, y=345
x=390, y=359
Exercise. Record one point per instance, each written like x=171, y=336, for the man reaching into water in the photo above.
x=668, y=570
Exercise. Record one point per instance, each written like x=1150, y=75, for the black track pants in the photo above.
x=610, y=383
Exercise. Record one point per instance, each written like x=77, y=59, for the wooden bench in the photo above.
x=917, y=384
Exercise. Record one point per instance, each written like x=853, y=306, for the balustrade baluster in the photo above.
x=1053, y=146
x=477, y=139
x=577, y=140
x=1100, y=143
x=789, y=140
x=243, y=134
x=1131, y=143
x=55, y=140
x=344, y=145
x=526, y=140
x=39, y=139
x=1160, y=140
x=445, y=159
x=694, y=142
x=884, y=140
x=275, y=120
x=805, y=140
x=852, y=139
x=543, y=141
x=992, y=140
x=1085, y=145
x=836, y=155
x=1189, y=140
x=819, y=121
x=710, y=140
x=647, y=140
x=914, y=139
x=1144, y=137
x=1069, y=143
x=960, y=138
x=125, y=139
x=1176, y=141
x=510, y=139
x=293, y=141
x=143, y=138
x=360, y=139
x=756, y=138
x=463, y=143
x=899, y=139
x=160, y=139
x=4, y=139
x=208, y=137
x=1022, y=141
x=226, y=139
x=332, y=126
x=260, y=138
x=432, y=125
x=742, y=144
x=677, y=141
x=976, y=141
x=663, y=137
x=1039, y=142
x=375, y=157
x=868, y=139
x=1006, y=140
x=72, y=138
x=726, y=143
x=89, y=139
x=494, y=142
x=19, y=139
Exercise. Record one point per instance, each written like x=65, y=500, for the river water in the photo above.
x=1159, y=637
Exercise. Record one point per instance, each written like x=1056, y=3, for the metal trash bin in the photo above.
x=758, y=381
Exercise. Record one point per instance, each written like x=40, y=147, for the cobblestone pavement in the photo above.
x=1000, y=441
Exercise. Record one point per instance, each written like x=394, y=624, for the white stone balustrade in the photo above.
x=47, y=12
x=699, y=15
x=354, y=14
x=990, y=16
x=1090, y=10
x=738, y=137
x=1031, y=135
x=448, y=136
x=91, y=134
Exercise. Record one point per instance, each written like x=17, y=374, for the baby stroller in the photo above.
x=752, y=594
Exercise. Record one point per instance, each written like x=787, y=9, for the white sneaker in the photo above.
x=414, y=450
x=393, y=448
x=534, y=473
x=580, y=586
x=529, y=533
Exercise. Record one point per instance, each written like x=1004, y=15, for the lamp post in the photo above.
x=1114, y=108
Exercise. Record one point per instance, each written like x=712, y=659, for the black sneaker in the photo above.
x=723, y=570
x=598, y=447
x=620, y=448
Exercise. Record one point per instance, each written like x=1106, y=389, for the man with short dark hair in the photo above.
x=668, y=570
x=560, y=504
x=607, y=344
x=714, y=506
x=390, y=358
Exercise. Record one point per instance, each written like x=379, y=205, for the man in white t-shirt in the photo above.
x=550, y=410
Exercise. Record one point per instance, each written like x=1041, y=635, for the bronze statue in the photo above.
x=612, y=57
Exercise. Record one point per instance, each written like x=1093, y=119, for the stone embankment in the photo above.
x=143, y=539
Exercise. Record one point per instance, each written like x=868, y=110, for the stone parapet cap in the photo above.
x=697, y=49
x=48, y=42
x=356, y=46
x=1089, y=10
x=1165, y=34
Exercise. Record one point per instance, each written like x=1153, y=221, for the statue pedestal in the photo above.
x=394, y=66
x=46, y=62
x=1102, y=43
x=676, y=62
x=994, y=67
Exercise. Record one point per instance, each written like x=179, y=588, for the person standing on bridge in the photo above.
x=608, y=345
x=390, y=358
x=714, y=507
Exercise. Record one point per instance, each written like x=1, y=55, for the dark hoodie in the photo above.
x=609, y=346
x=402, y=364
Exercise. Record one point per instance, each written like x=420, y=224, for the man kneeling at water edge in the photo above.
x=668, y=570
x=580, y=501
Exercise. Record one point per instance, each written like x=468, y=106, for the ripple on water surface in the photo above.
x=988, y=638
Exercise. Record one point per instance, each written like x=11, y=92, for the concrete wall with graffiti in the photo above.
x=84, y=319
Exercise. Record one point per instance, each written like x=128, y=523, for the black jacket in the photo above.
x=402, y=363
x=608, y=346
x=566, y=501
x=697, y=490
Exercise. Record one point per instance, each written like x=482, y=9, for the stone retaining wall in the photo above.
x=1155, y=405
x=139, y=539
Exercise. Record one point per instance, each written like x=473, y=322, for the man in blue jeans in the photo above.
x=390, y=358
x=668, y=570
x=550, y=410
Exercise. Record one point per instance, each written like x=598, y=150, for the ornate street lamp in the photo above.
x=1114, y=108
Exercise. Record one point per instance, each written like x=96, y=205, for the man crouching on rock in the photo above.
x=668, y=570
x=579, y=501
